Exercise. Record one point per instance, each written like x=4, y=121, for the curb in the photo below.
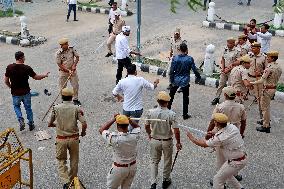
x=206, y=81
x=9, y=40
x=93, y=9
x=236, y=27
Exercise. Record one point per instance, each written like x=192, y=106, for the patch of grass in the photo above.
x=155, y=62
x=280, y=87
x=88, y=4
x=273, y=28
x=9, y=13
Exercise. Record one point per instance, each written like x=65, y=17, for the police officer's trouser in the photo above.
x=110, y=40
x=74, y=80
x=257, y=89
x=157, y=148
x=227, y=172
x=265, y=105
x=62, y=146
x=121, y=177
x=222, y=83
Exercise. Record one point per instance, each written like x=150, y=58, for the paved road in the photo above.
x=195, y=166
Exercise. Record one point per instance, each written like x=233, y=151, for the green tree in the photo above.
x=280, y=7
x=192, y=4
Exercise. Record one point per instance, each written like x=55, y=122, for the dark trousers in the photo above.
x=71, y=7
x=185, y=93
x=110, y=27
x=205, y=2
x=122, y=63
x=275, y=2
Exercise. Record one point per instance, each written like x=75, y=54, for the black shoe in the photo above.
x=67, y=20
x=274, y=5
x=166, y=184
x=153, y=186
x=215, y=101
x=76, y=20
x=239, y=177
x=22, y=124
x=263, y=129
x=31, y=126
x=186, y=116
x=77, y=102
x=240, y=3
x=260, y=122
x=109, y=54
x=65, y=186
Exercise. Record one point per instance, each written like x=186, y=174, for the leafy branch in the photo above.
x=192, y=4
x=279, y=8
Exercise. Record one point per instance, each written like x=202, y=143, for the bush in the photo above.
x=9, y=13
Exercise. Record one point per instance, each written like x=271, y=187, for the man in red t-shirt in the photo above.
x=16, y=78
x=252, y=29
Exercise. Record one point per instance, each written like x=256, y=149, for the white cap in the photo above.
x=126, y=28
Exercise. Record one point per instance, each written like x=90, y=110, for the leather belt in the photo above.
x=254, y=76
x=239, y=159
x=270, y=87
x=124, y=165
x=163, y=139
x=67, y=137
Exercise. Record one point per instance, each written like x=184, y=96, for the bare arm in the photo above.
x=133, y=124
x=243, y=127
x=198, y=142
x=107, y=125
x=40, y=77
x=7, y=81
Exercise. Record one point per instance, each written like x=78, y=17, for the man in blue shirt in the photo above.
x=180, y=77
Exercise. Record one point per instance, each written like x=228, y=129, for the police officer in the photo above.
x=161, y=142
x=230, y=143
x=124, y=144
x=67, y=59
x=228, y=61
x=243, y=46
x=239, y=78
x=257, y=67
x=269, y=80
x=64, y=117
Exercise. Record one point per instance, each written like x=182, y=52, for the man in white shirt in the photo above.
x=263, y=37
x=123, y=51
x=131, y=88
x=71, y=6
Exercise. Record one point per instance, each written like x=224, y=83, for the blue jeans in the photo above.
x=70, y=8
x=26, y=99
x=136, y=114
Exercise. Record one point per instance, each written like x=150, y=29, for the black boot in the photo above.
x=67, y=19
x=109, y=54
x=31, y=126
x=153, y=186
x=260, y=122
x=211, y=183
x=215, y=101
x=248, y=4
x=239, y=177
x=186, y=116
x=166, y=184
x=263, y=129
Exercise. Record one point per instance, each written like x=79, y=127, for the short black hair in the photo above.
x=123, y=126
x=131, y=69
x=253, y=20
x=274, y=58
x=222, y=124
x=183, y=47
x=162, y=102
x=67, y=98
x=266, y=26
x=19, y=55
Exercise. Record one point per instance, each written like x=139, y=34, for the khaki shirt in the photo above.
x=258, y=63
x=230, y=56
x=66, y=58
x=271, y=74
x=244, y=49
x=117, y=26
x=161, y=130
x=66, y=116
x=234, y=110
x=230, y=142
x=175, y=46
x=124, y=145
x=237, y=75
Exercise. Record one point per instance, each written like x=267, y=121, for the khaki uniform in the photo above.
x=230, y=56
x=116, y=29
x=230, y=143
x=244, y=49
x=258, y=63
x=66, y=58
x=238, y=74
x=124, y=156
x=65, y=117
x=271, y=77
x=236, y=113
x=161, y=141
